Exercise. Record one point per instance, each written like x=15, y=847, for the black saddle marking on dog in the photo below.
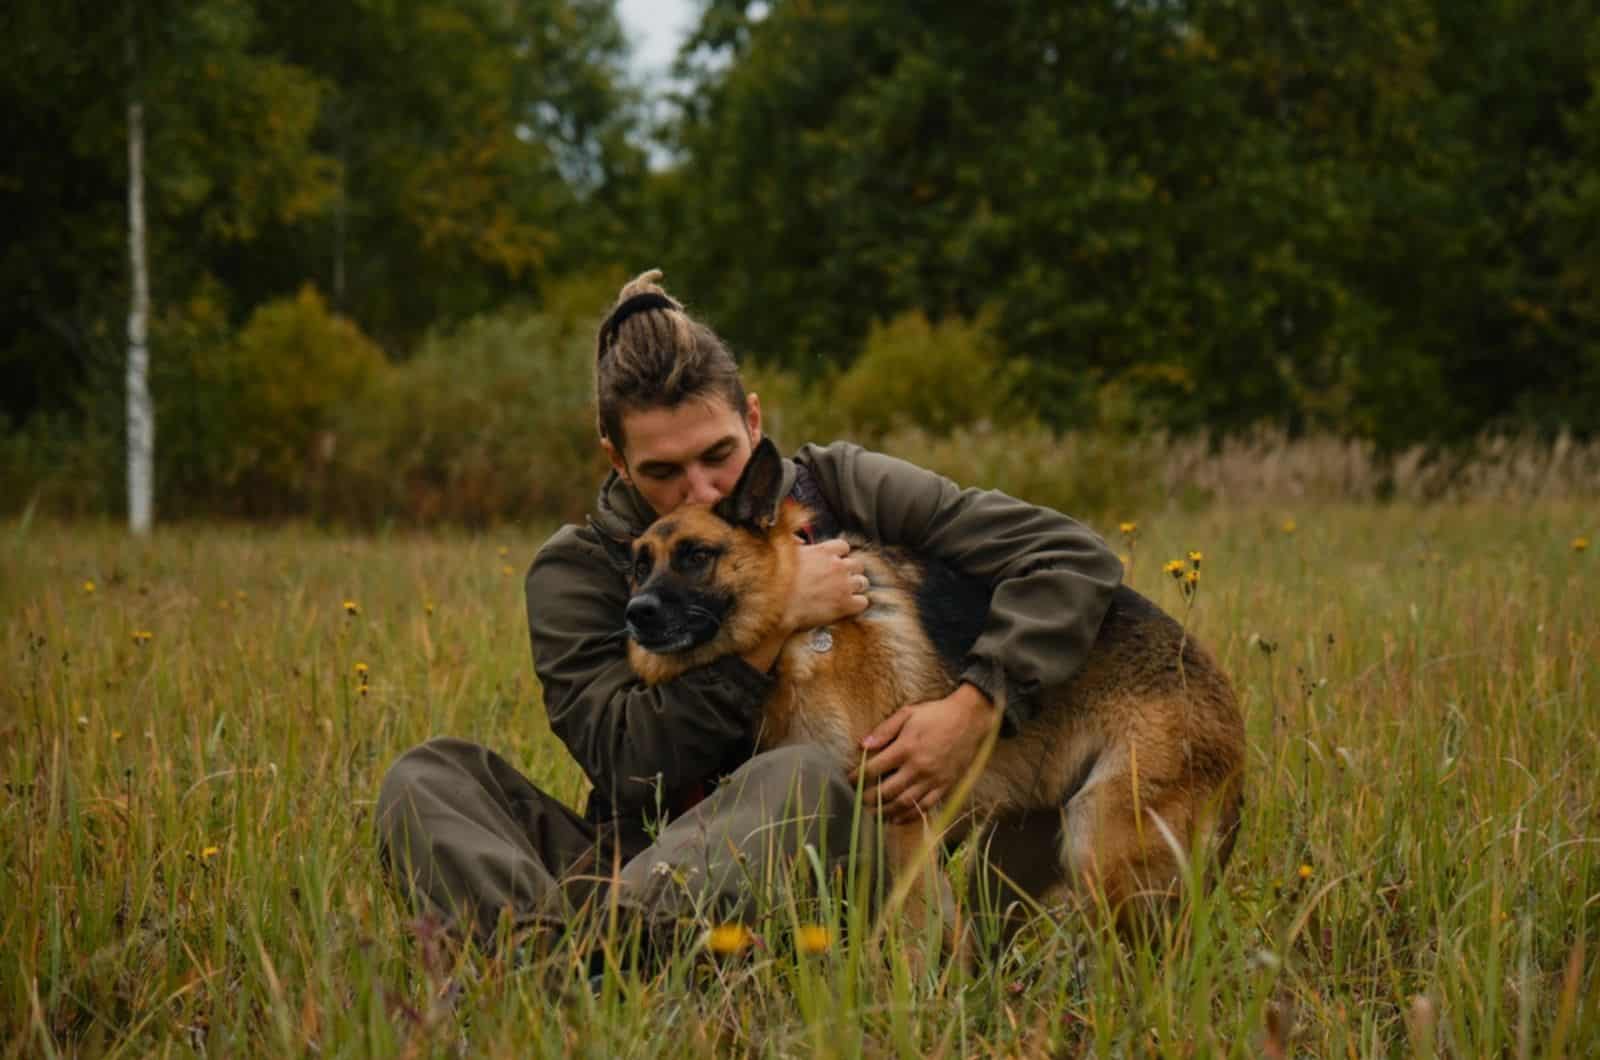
x=1131, y=615
x=953, y=608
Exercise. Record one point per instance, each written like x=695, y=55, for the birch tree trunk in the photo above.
x=141, y=417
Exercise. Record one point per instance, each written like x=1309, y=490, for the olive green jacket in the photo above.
x=645, y=748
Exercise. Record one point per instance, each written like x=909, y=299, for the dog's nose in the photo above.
x=643, y=612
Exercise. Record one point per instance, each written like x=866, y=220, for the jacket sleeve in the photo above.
x=638, y=744
x=1052, y=576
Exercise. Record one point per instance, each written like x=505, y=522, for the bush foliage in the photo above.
x=298, y=416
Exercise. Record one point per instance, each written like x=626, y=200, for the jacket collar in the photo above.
x=623, y=513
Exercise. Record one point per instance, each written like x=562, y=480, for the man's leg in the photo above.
x=467, y=836
x=710, y=864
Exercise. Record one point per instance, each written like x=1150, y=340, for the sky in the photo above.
x=655, y=28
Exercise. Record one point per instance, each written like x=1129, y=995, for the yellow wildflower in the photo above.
x=1174, y=567
x=427, y=608
x=116, y=735
x=88, y=586
x=1196, y=556
x=210, y=852
x=141, y=636
x=727, y=939
x=1192, y=578
x=351, y=608
x=1579, y=544
x=1289, y=526
x=1305, y=872
x=504, y=551
x=508, y=569
x=813, y=939
x=361, y=668
x=1128, y=528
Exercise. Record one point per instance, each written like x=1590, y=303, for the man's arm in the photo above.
x=1052, y=576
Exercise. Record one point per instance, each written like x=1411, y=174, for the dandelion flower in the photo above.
x=1128, y=528
x=427, y=608
x=1195, y=556
x=88, y=586
x=813, y=939
x=142, y=636
x=210, y=852
x=1579, y=544
x=504, y=551
x=1174, y=567
x=1289, y=526
x=361, y=669
x=116, y=735
x=727, y=939
x=351, y=608
x=1192, y=578
x=1305, y=871
x=508, y=569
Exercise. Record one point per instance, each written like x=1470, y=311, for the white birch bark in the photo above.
x=141, y=417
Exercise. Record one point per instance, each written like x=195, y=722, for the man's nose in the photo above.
x=702, y=487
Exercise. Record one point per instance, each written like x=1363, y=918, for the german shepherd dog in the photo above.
x=1141, y=751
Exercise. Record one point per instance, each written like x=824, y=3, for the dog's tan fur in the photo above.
x=1141, y=753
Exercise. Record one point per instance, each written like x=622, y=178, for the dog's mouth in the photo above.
x=694, y=627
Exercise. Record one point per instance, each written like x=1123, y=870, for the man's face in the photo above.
x=692, y=453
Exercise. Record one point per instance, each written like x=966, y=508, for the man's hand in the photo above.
x=829, y=585
x=921, y=751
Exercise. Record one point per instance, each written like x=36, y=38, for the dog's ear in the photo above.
x=754, y=501
x=618, y=550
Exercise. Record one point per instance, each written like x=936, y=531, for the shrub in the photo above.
x=936, y=377
x=296, y=367
x=490, y=422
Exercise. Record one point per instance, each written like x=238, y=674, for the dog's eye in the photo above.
x=692, y=558
x=641, y=567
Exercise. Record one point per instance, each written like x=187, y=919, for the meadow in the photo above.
x=193, y=729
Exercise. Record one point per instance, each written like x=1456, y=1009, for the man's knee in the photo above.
x=807, y=776
x=418, y=771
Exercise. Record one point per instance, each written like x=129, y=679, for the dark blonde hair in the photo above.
x=651, y=354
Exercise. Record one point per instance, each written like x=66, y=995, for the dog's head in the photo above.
x=711, y=580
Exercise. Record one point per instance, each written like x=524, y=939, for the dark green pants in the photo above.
x=469, y=838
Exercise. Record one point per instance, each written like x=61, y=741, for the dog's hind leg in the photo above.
x=1126, y=836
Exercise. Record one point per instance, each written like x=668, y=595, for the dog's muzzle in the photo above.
x=659, y=626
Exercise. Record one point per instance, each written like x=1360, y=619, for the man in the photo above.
x=682, y=818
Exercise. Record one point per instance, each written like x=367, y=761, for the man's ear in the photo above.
x=754, y=500
x=618, y=551
x=614, y=457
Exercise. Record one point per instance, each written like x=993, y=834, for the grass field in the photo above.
x=190, y=759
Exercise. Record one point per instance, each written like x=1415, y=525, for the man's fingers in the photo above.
x=884, y=762
x=890, y=793
x=886, y=731
x=908, y=806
